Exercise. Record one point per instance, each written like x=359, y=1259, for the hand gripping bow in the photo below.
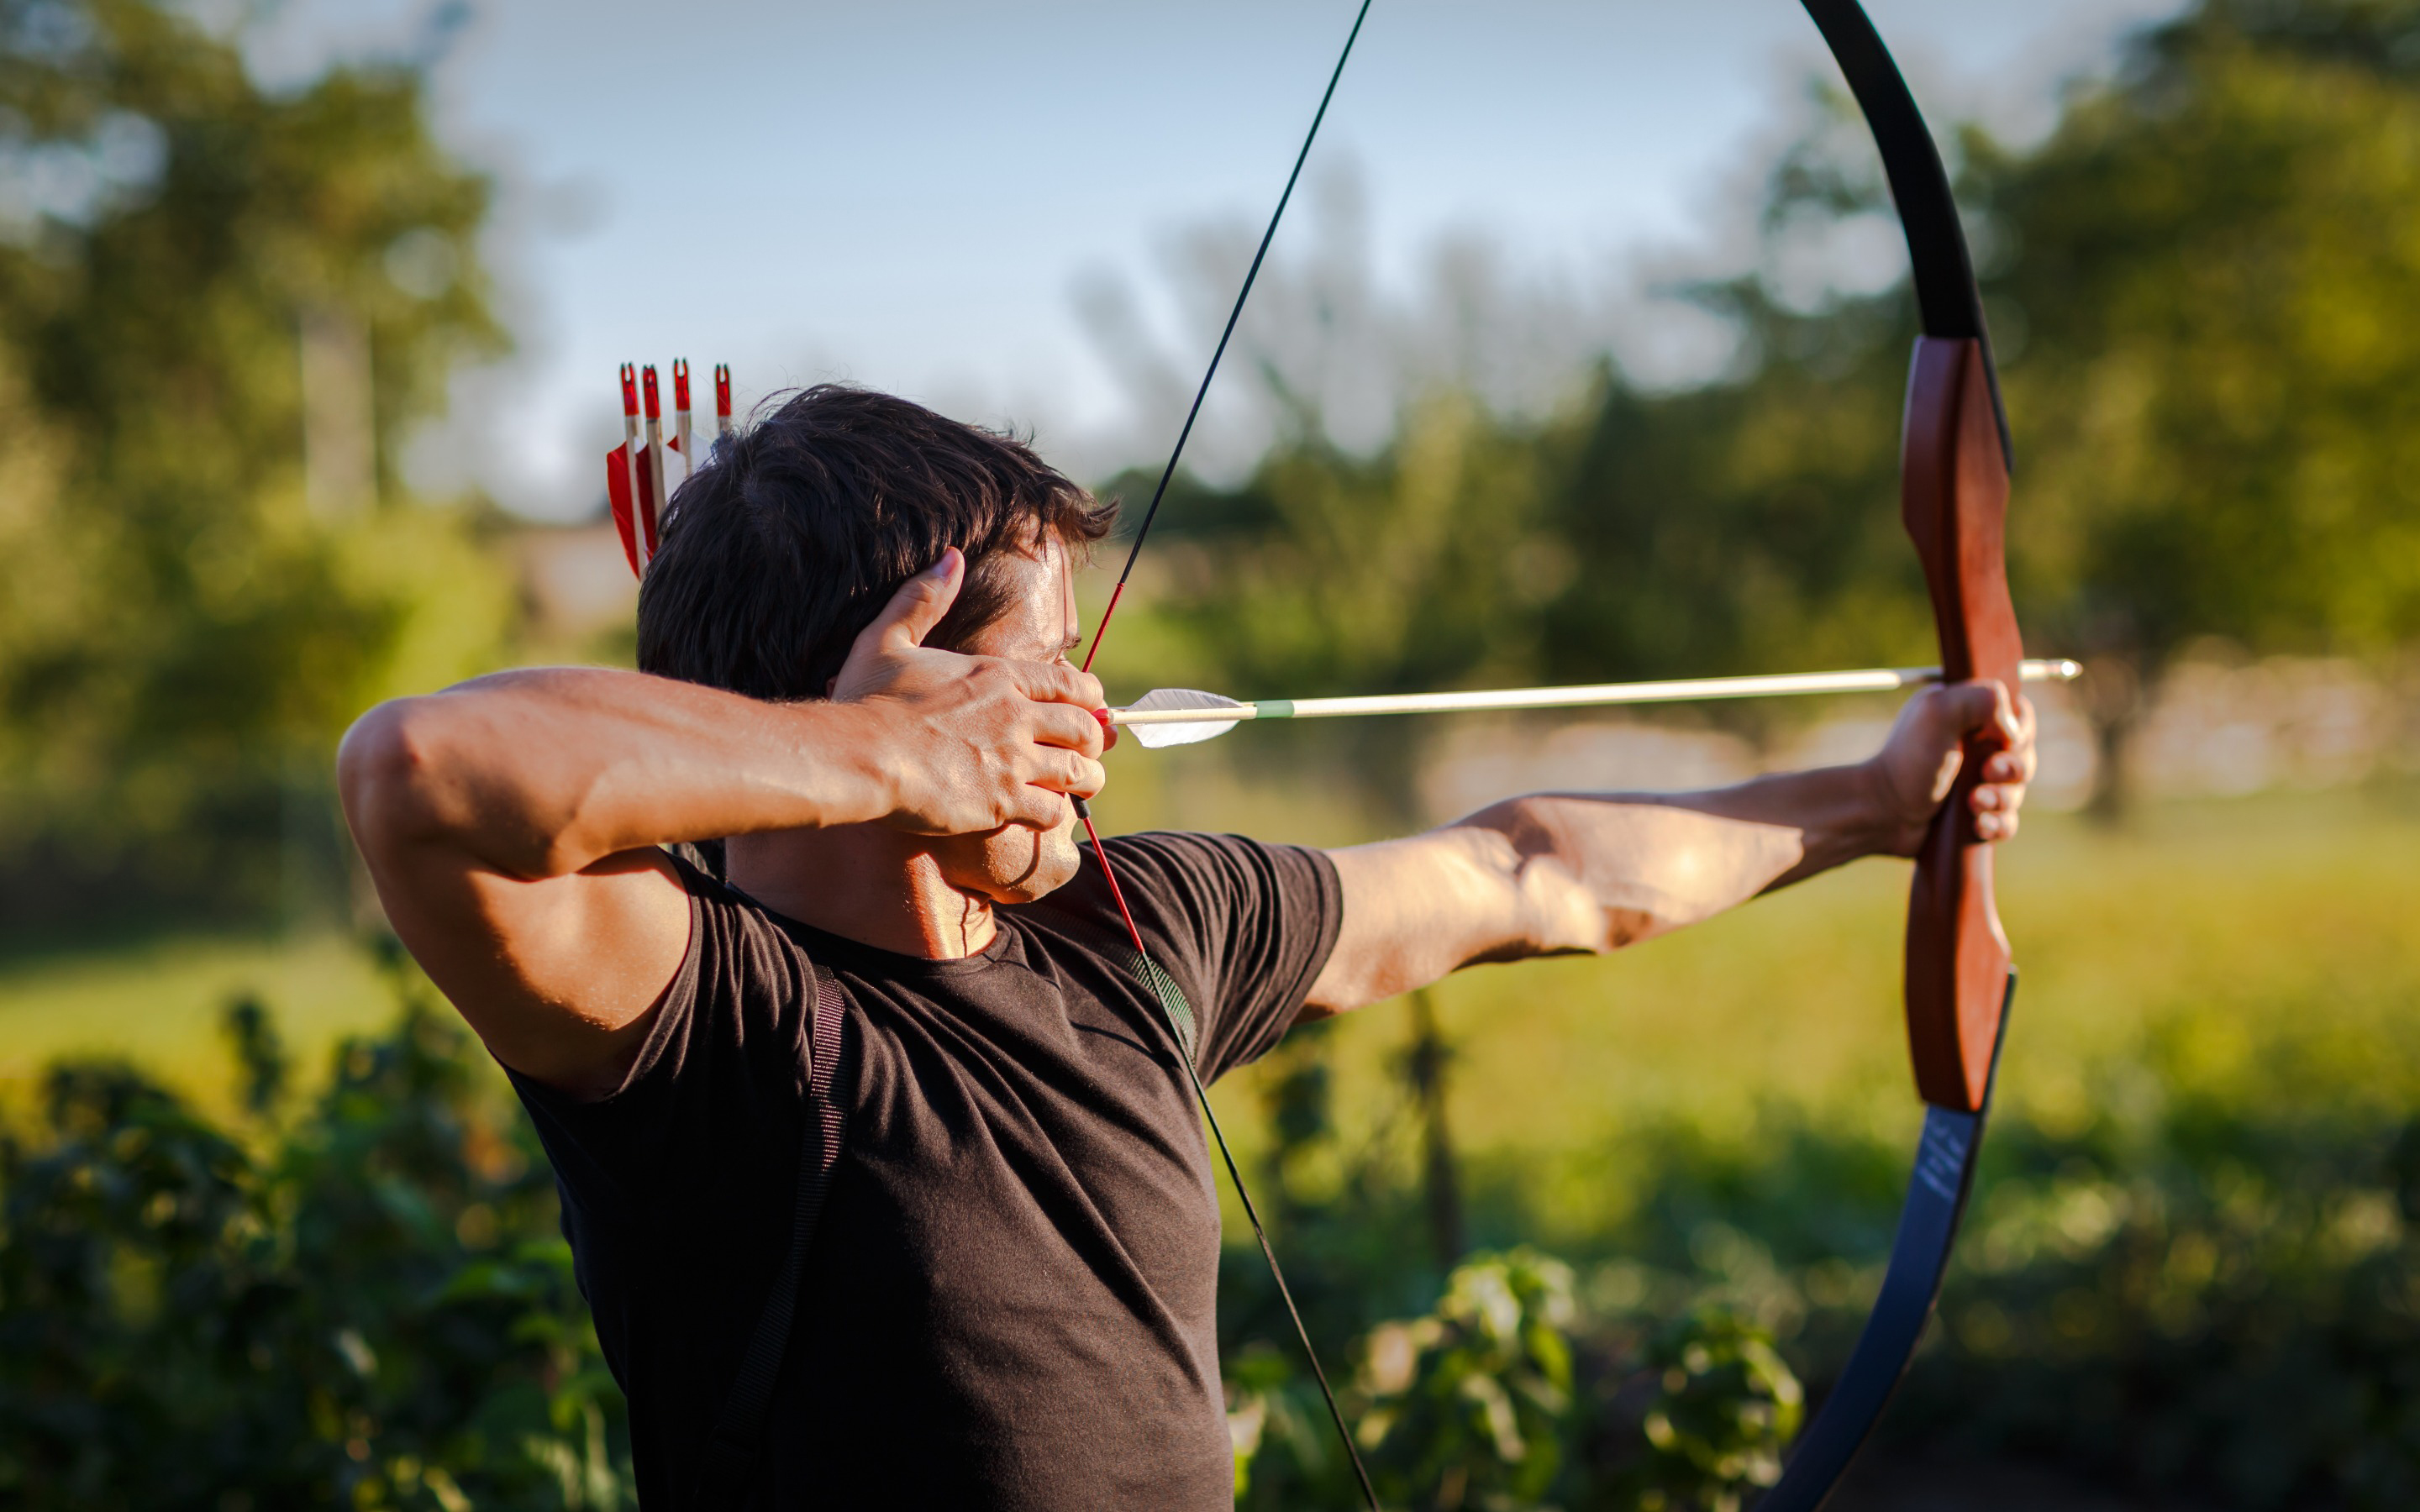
x=1953, y=496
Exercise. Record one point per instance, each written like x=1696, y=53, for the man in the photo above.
x=857, y=632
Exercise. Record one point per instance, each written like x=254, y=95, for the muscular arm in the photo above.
x=1562, y=873
x=511, y=824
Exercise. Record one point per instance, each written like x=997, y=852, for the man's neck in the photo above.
x=867, y=883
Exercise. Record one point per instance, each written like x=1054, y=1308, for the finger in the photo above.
x=1051, y=682
x=918, y=605
x=1069, y=772
x=1968, y=707
x=1071, y=729
x=2027, y=726
x=1085, y=777
x=2004, y=798
x=2015, y=728
x=1995, y=828
x=2010, y=766
x=1037, y=807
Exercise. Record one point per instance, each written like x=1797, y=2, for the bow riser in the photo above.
x=1954, y=497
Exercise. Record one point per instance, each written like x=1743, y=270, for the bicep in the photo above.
x=557, y=975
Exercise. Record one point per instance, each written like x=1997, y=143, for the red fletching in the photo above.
x=617, y=495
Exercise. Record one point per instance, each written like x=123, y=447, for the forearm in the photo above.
x=542, y=773
x=1565, y=874
x=1600, y=871
x=1828, y=816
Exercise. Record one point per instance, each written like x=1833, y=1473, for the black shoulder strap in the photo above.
x=733, y=1447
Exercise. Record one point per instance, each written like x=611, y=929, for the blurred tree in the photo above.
x=1743, y=527
x=219, y=307
x=1326, y=572
x=2193, y=284
x=2210, y=261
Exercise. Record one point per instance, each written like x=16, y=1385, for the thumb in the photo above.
x=919, y=604
x=1974, y=707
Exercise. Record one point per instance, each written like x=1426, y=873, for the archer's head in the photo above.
x=800, y=527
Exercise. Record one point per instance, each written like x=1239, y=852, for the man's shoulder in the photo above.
x=1187, y=880
x=1190, y=848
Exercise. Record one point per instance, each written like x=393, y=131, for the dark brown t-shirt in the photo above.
x=1010, y=1302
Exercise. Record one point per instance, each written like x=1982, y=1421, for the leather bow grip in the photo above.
x=1954, y=496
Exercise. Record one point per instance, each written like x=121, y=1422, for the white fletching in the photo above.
x=1154, y=735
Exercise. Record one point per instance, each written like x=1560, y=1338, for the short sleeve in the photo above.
x=724, y=1063
x=673, y=1185
x=1243, y=927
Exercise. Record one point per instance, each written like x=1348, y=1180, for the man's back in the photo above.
x=1010, y=1300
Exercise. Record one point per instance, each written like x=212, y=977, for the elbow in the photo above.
x=1567, y=900
x=386, y=777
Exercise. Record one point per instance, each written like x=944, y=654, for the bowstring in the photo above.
x=1151, y=512
x=1083, y=810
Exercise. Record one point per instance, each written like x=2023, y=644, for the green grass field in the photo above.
x=2265, y=948
x=159, y=1005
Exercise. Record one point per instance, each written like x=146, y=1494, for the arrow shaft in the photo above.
x=1596, y=695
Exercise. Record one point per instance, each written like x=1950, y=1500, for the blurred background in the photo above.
x=1578, y=358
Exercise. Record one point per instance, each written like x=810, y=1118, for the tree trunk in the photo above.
x=2114, y=701
x=1425, y=1065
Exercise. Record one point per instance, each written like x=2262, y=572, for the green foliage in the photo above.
x=1329, y=573
x=2220, y=1306
x=1740, y=528
x=1468, y=1405
x=178, y=626
x=2215, y=395
x=2194, y=285
x=1724, y=1408
x=366, y=1306
x=2210, y=1301
x=2187, y=1272
x=2213, y=1303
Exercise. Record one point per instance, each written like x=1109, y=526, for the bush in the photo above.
x=367, y=1306
x=361, y=1299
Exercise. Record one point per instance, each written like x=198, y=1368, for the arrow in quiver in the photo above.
x=643, y=472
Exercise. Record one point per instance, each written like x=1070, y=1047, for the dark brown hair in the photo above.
x=799, y=529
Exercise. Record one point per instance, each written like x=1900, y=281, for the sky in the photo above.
x=929, y=195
